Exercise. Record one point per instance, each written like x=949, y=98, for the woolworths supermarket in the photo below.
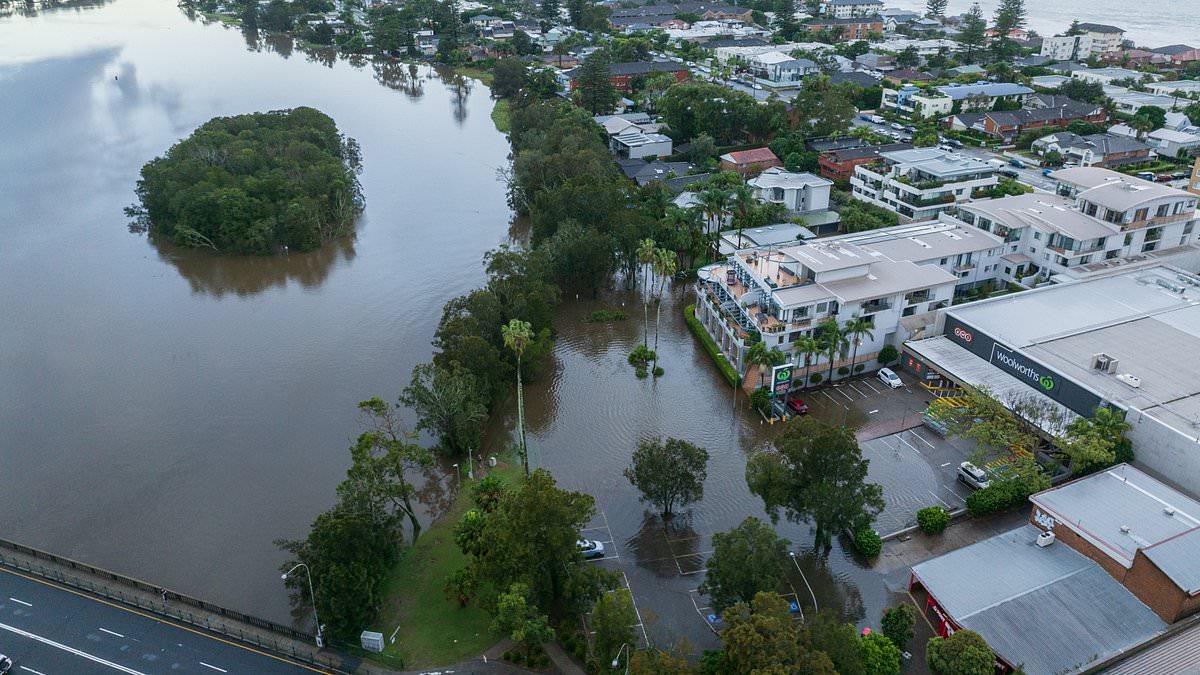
x=1129, y=339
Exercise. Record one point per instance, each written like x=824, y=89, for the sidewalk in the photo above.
x=169, y=605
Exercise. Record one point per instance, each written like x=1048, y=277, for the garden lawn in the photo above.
x=500, y=116
x=434, y=631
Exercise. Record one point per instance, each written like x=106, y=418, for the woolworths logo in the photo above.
x=1024, y=370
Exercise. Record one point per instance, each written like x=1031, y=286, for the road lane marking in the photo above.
x=27, y=604
x=71, y=650
x=946, y=464
x=31, y=670
x=220, y=670
x=111, y=633
x=872, y=412
x=156, y=619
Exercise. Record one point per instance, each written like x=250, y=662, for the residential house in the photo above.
x=915, y=103
x=1171, y=143
x=643, y=173
x=1129, y=102
x=1097, y=215
x=838, y=164
x=848, y=29
x=639, y=145
x=1136, y=58
x=1039, y=111
x=780, y=293
x=864, y=80
x=875, y=61
x=781, y=67
x=906, y=75
x=1067, y=47
x=750, y=162
x=1181, y=88
x=486, y=21
x=1193, y=185
x=799, y=192
x=623, y=74
x=1111, y=74
x=924, y=25
x=1185, y=59
x=1104, y=38
x=847, y=9
x=823, y=143
x=919, y=184
x=1100, y=150
x=983, y=95
x=425, y=42
x=1172, y=50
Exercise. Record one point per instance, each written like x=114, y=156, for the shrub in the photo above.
x=897, y=623
x=844, y=370
x=710, y=346
x=658, y=371
x=1124, y=451
x=605, y=315
x=887, y=355
x=640, y=356
x=815, y=379
x=859, y=368
x=543, y=660
x=867, y=542
x=760, y=400
x=933, y=519
x=641, y=373
x=507, y=656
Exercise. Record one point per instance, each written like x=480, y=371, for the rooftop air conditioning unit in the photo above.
x=1125, y=529
x=1169, y=510
x=1100, y=361
x=1130, y=379
x=1045, y=539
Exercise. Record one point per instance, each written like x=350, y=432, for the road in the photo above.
x=47, y=629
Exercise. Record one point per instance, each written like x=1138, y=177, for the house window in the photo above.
x=1140, y=214
x=1128, y=239
x=1111, y=255
x=1187, y=228
x=1149, y=246
x=822, y=307
x=1007, y=269
x=1037, y=235
x=944, y=261
x=1163, y=209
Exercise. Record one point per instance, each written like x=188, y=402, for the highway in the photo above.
x=47, y=629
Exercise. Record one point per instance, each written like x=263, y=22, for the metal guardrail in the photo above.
x=284, y=644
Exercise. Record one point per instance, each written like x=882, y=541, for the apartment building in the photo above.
x=1067, y=47
x=780, y=294
x=1193, y=185
x=845, y=9
x=919, y=184
x=1097, y=215
x=914, y=103
x=799, y=192
x=1104, y=38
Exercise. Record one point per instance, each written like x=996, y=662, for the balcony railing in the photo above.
x=876, y=306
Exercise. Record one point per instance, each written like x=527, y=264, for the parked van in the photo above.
x=996, y=163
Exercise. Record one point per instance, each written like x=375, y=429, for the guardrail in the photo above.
x=130, y=591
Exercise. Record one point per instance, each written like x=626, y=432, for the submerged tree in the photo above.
x=669, y=473
x=517, y=336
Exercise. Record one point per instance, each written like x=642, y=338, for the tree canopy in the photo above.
x=963, y=653
x=669, y=473
x=252, y=184
x=816, y=473
x=745, y=560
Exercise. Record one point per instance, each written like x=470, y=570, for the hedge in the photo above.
x=710, y=346
x=867, y=542
x=933, y=519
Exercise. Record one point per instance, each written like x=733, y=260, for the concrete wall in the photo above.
x=1165, y=451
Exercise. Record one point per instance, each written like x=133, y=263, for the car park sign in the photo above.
x=781, y=379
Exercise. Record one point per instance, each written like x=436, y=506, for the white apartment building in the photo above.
x=914, y=103
x=782, y=293
x=846, y=9
x=799, y=192
x=1067, y=47
x=1097, y=215
x=781, y=67
x=919, y=184
x=1104, y=38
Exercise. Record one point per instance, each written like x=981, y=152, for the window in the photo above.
x=1149, y=246
x=944, y=261
x=1140, y=214
x=1037, y=236
x=1112, y=254
x=822, y=307
x=1007, y=269
x=1187, y=228
x=1128, y=239
x=1162, y=210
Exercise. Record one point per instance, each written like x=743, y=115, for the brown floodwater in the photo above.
x=168, y=413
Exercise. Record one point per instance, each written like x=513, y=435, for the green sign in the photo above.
x=781, y=379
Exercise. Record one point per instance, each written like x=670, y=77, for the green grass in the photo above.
x=484, y=76
x=710, y=346
x=500, y=116
x=434, y=631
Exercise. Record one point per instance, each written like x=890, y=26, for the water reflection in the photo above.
x=812, y=576
x=460, y=86
x=33, y=8
x=399, y=76
x=668, y=548
x=218, y=275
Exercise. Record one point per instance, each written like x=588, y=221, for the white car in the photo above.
x=6, y=664
x=973, y=476
x=890, y=378
x=897, y=126
x=591, y=549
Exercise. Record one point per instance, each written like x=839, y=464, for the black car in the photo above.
x=5, y=664
x=1009, y=172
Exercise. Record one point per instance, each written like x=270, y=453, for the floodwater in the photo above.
x=168, y=414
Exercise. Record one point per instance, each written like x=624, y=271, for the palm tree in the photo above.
x=833, y=342
x=646, y=255
x=665, y=265
x=743, y=202
x=809, y=347
x=1110, y=424
x=760, y=356
x=714, y=202
x=855, y=329
x=517, y=336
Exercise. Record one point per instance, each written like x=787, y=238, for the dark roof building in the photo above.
x=860, y=78
x=1172, y=50
x=1100, y=28
x=643, y=172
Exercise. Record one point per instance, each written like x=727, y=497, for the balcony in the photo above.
x=912, y=200
x=916, y=297
x=876, y=306
x=965, y=267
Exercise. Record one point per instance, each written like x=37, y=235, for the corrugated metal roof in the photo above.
x=1179, y=559
x=1050, y=609
x=1176, y=655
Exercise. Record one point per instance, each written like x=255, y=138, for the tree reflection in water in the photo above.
x=667, y=548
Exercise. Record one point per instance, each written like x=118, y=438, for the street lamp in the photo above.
x=311, y=596
x=617, y=658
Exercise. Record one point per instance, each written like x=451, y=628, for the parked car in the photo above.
x=947, y=147
x=797, y=406
x=1145, y=175
x=1163, y=178
x=1009, y=172
x=973, y=476
x=890, y=378
x=6, y=664
x=1017, y=163
x=1179, y=174
x=591, y=549
x=1047, y=172
x=897, y=126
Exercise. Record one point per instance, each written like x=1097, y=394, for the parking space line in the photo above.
x=851, y=385
x=871, y=386
x=641, y=624
x=848, y=396
x=938, y=498
x=31, y=670
x=27, y=604
x=914, y=433
x=910, y=445
x=826, y=395
x=105, y=630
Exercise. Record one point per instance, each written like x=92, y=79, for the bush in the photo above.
x=859, y=368
x=543, y=660
x=640, y=356
x=815, y=379
x=933, y=519
x=658, y=371
x=1124, y=451
x=641, y=373
x=867, y=542
x=605, y=315
x=844, y=370
x=710, y=346
x=760, y=400
x=887, y=355
x=998, y=496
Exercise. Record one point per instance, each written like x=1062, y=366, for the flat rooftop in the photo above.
x=937, y=162
x=1148, y=319
x=1121, y=509
x=923, y=240
x=1044, y=212
x=1050, y=609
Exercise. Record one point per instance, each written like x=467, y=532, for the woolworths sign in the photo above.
x=1023, y=369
